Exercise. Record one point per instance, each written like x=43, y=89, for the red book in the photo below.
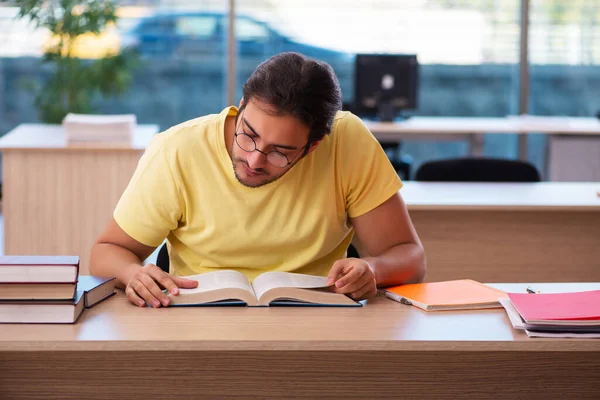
x=567, y=307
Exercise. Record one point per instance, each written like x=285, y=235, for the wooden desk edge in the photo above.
x=536, y=345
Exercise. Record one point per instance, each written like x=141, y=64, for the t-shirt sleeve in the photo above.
x=367, y=175
x=150, y=207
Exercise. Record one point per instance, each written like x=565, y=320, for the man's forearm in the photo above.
x=404, y=263
x=110, y=260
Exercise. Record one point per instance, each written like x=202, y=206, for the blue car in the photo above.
x=204, y=34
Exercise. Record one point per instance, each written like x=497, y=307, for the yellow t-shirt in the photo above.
x=184, y=189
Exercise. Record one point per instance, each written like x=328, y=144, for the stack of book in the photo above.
x=574, y=315
x=47, y=289
x=85, y=128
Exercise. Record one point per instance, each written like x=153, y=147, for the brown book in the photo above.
x=37, y=291
x=42, y=311
x=39, y=269
x=96, y=288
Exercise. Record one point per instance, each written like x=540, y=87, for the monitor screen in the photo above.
x=385, y=84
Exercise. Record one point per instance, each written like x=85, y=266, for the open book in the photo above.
x=270, y=288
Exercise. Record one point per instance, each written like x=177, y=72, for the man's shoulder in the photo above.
x=190, y=135
x=192, y=127
x=347, y=125
x=347, y=120
x=344, y=116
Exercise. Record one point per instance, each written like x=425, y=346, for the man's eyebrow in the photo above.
x=283, y=146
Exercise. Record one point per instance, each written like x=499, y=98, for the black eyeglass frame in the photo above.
x=288, y=162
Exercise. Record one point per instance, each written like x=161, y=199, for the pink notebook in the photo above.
x=558, y=306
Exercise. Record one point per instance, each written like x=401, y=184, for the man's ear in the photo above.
x=313, y=146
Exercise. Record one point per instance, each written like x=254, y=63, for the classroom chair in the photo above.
x=471, y=169
x=162, y=259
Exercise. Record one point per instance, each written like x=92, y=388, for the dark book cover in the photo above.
x=96, y=288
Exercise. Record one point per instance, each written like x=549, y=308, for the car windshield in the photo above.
x=126, y=24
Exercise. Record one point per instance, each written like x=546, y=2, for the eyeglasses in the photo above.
x=275, y=158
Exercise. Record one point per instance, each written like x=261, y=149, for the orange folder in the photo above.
x=462, y=294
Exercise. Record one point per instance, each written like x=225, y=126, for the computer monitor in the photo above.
x=385, y=84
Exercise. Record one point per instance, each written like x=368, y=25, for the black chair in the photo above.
x=401, y=162
x=477, y=170
x=162, y=259
x=352, y=252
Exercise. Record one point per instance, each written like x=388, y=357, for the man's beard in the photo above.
x=263, y=183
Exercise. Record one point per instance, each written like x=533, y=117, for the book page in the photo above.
x=271, y=280
x=513, y=315
x=216, y=280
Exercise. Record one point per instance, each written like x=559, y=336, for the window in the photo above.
x=246, y=29
x=199, y=27
x=564, y=48
x=157, y=26
x=468, y=51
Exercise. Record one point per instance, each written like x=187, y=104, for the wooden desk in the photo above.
x=548, y=231
x=566, y=135
x=58, y=197
x=473, y=128
x=469, y=129
x=384, y=350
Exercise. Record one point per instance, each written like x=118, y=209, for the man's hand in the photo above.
x=144, y=286
x=353, y=276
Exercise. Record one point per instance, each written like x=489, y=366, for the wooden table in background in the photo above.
x=506, y=232
x=59, y=197
x=383, y=350
x=565, y=136
x=469, y=129
x=472, y=129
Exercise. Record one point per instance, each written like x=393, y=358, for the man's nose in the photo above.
x=256, y=159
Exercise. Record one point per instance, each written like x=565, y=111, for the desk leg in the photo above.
x=476, y=144
x=523, y=147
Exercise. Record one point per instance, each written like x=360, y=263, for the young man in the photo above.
x=282, y=184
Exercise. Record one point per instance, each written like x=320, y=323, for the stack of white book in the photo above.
x=99, y=128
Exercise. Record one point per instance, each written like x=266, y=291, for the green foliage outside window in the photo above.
x=74, y=83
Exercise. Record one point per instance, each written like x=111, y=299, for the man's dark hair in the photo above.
x=296, y=85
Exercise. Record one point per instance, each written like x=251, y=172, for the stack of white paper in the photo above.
x=99, y=128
